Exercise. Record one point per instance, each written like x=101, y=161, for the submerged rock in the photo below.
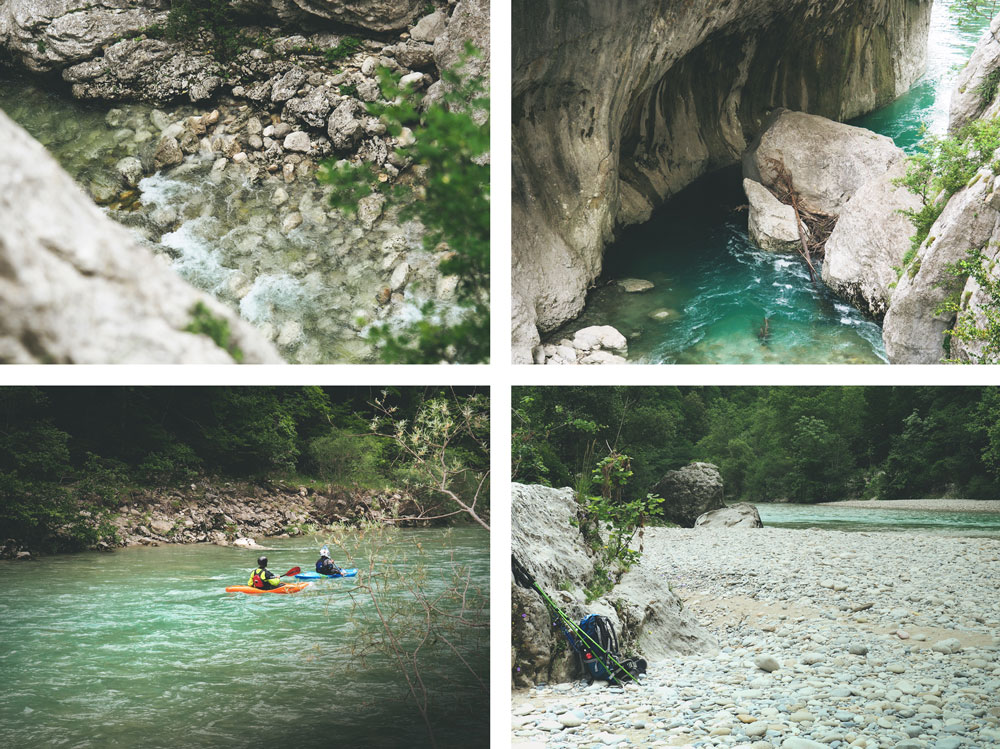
x=634, y=285
x=772, y=224
x=78, y=289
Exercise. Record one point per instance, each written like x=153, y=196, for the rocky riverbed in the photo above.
x=828, y=639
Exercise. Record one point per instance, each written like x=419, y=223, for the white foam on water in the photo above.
x=199, y=261
x=271, y=294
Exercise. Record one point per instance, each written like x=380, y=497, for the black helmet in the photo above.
x=262, y=562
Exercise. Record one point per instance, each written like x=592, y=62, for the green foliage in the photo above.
x=348, y=459
x=987, y=89
x=614, y=515
x=532, y=433
x=348, y=89
x=251, y=431
x=217, y=328
x=943, y=167
x=346, y=47
x=103, y=481
x=189, y=19
x=175, y=463
x=985, y=333
x=803, y=444
x=450, y=147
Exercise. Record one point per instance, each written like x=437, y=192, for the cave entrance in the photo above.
x=713, y=289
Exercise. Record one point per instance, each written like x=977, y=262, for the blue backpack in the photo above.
x=596, y=645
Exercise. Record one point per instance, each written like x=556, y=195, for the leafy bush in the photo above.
x=347, y=459
x=346, y=47
x=979, y=267
x=451, y=142
x=216, y=328
x=103, y=481
x=176, y=463
x=943, y=167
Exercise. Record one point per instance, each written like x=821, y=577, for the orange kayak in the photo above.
x=286, y=588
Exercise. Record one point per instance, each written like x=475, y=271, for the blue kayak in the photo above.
x=317, y=576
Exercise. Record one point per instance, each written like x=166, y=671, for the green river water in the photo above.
x=877, y=519
x=718, y=287
x=142, y=647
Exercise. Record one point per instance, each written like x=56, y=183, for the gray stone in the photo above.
x=375, y=15
x=690, y=492
x=297, y=141
x=742, y=514
x=79, y=289
x=948, y=646
x=430, y=27
x=344, y=127
x=130, y=169
x=168, y=153
x=772, y=224
x=286, y=86
x=634, y=285
x=600, y=336
x=966, y=101
x=766, y=663
x=869, y=241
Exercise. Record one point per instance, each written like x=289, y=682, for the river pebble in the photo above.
x=836, y=677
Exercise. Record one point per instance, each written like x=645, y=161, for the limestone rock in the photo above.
x=689, y=492
x=143, y=69
x=772, y=224
x=168, y=153
x=544, y=539
x=973, y=303
x=913, y=332
x=617, y=108
x=130, y=169
x=828, y=161
x=375, y=15
x=76, y=288
x=313, y=109
x=344, y=126
x=766, y=663
x=469, y=23
x=967, y=101
x=600, y=336
x=51, y=34
x=297, y=141
x=285, y=87
x=430, y=27
x=743, y=515
x=634, y=285
x=869, y=242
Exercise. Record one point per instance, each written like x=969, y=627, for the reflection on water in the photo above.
x=862, y=519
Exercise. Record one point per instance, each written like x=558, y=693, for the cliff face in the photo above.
x=619, y=104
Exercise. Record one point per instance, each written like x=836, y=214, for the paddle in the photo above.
x=292, y=571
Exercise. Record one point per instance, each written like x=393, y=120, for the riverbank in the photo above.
x=928, y=505
x=864, y=639
x=228, y=513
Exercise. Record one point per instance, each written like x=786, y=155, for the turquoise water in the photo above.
x=718, y=287
x=862, y=519
x=144, y=648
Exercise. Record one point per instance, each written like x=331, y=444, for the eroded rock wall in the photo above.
x=619, y=104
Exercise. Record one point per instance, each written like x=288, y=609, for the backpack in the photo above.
x=596, y=645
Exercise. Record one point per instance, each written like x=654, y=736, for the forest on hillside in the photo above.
x=63, y=449
x=799, y=444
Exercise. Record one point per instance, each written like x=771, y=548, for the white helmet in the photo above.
x=324, y=552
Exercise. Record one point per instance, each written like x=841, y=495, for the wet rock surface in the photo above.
x=828, y=639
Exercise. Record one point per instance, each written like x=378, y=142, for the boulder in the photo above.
x=374, y=15
x=469, y=23
x=967, y=100
x=743, y=515
x=344, y=126
x=160, y=526
x=913, y=330
x=690, y=492
x=869, y=242
x=634, y=285
x=600, y=336
x=772, y=224
x=77, y=288
x=286, y=86
x=313, y=109
x=130, y=169
x=430, y=27
x=546, y=539
x=828, y=161
x=297, y=141
x=168, y=153
x=145, y=69
x=51, y=34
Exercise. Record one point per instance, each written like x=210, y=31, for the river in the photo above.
x=142, y=647
x=715, y=287
x=831, y=517
x=312, y=288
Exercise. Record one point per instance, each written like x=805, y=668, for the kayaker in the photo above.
x=262, y=577
x=325, y=565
